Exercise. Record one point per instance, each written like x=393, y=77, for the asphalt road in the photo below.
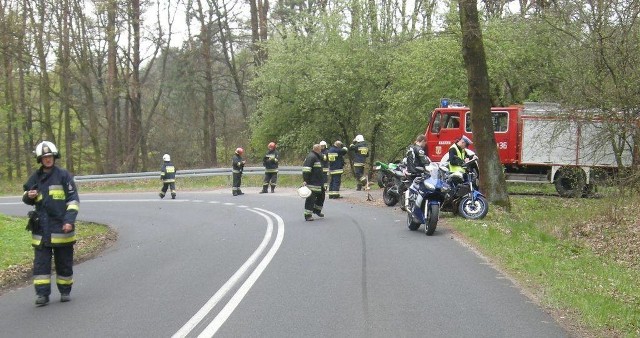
x=250, y=266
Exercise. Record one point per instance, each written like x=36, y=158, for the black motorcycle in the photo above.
x=394, y=180
x=464, y=197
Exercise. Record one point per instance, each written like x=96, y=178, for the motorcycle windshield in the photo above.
x=435, y=178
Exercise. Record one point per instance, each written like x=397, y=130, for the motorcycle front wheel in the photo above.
x=470, y=209
x=433, y=214
x=389, y=199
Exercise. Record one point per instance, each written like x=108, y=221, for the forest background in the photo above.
x=116, y=84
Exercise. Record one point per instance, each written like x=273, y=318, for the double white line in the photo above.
x=235, y=300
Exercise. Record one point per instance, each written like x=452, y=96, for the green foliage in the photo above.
x=15, y=241
x=318, y=88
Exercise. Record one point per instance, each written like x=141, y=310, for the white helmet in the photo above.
x=46, y=148
x=323, y=143
x=359, y=138
x=304, y=192
x=166, y=157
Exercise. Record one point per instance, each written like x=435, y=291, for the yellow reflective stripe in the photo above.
x=56, y=192
x=171, y=180
x=63, y=280
x=36, y=239
x=271, y=171
x=171, y=169
x=336, y=172
x=63, y=238
x=39, y=198
x=317, y=164
x=358, y=164
x=73, y=206
x=306, y=169
x=42, y=279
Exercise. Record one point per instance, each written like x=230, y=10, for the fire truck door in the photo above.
x=445, y=127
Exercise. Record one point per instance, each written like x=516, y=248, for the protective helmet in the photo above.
x=271, y=146
x=466, y=140
x=338, y=144
x=359, y=138
x=304, y=192
x=239, y=151
x=166, y=157
x=46, y=148
x=323, y=143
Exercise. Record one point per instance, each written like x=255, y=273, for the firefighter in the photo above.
x=325, y=163
x=313, y=178
x=417, y=160
x=361, y=151
x=53, y=192
x=458, y=156
x=168, y=176
x=270, y=161
x=336, y=167
x=237, y=165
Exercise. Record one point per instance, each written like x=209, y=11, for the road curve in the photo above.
x=250, y=266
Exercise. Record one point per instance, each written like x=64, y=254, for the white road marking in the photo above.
x=211, y=303
x=235, y=300
x=217, y=322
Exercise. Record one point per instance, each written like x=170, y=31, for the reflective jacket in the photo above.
x=168, y=172
x=237, y=166
x=456, y=158
x=57, y=204
x=336, y=159
x=361, y=151
x=312, y=171
x=270, y=161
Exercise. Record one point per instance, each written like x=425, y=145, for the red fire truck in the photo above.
x=536, y=143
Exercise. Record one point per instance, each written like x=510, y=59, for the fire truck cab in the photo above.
x=536, y=143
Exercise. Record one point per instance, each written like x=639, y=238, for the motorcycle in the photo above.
x=464, y=197
x=394, y=180
x=424, y=198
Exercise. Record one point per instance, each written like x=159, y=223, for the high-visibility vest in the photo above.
x=461, y=154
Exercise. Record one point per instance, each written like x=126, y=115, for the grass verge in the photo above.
x=17, y=253
x=542, y=243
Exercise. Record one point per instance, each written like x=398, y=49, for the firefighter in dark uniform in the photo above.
x=270, y=161
x=313, y=177
x=324, y=153
x=361, y=151
x=336, y=167
x=168, y=177
x=53, y=192
x=237, y=166
x=416, y=157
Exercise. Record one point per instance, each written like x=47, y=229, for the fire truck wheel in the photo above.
x=570, y=182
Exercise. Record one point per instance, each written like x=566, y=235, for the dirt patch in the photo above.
x=86, y=248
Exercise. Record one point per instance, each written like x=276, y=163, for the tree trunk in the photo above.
x=208, y=117
x=111, y=90
x=65, y=90
x=492, y=176
x=135, y=133
x=45, y=95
